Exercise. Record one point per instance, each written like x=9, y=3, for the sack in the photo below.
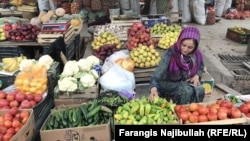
x=86, y=3
x=125, y=4
x=186, y=13
x=219, y=7
x=118, y=79
x=96, y=5
x=32, y=80
x=198, y=11
x=74, y=7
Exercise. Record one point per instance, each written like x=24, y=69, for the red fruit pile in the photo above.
x=11, y=122
x=194, y=113
x=19, y=100
x=245, y=108
x=138, y=34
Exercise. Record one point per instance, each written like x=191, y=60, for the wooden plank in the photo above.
x=27, y=8
x=140, y=70
x=146, y=79
x=146, y=74
x=227, y=89
x=49, y=38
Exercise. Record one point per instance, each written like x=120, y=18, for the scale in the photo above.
x=55, y=26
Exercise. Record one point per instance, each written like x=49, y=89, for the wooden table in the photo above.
x=8, y=13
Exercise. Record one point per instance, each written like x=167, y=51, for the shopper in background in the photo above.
x=178, y=75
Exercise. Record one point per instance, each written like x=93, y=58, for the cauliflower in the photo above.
x=88, y=80
x=46, y=60
x=94, y=73
x=93, y=60
x=84, y=64
x=67, y=84
x=71, y=68
x=27, y=63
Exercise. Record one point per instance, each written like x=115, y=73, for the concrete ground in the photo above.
x=214, y=41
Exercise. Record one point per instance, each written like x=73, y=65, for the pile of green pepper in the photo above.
x=111, y=99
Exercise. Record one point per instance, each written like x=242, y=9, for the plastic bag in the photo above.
x=110, y=61
x=118, y=79
x=32, y=80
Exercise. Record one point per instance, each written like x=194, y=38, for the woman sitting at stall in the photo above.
x=178, y=75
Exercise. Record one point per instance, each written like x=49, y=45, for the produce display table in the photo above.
x=8, y=13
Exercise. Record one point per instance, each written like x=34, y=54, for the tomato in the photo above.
x=38, y=98
x=17, y=116
x=25, y=104
x=2, y=94
x=4, y=102
x=20, y=97
x=14, y=103
x=11, y=130
x=13, y=111
x=1, y=136
x=18, y=128
x=30, y=97
x=15, y=123
x=7, y=137
x=25, y=119
x=8, y=116
x=7, y=124
x=10, y=97
x=24, y=114
x=3, y=129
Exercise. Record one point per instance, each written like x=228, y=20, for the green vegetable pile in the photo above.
x=111, y=99
x=85, y=115
x=142, y=111
x=234, y=99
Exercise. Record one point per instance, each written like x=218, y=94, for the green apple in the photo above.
x=1, y=30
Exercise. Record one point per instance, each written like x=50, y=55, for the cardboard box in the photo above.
x=99, y=132
x=208, y=82
x=27, y=132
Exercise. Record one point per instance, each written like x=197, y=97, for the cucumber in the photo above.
x=95, y=110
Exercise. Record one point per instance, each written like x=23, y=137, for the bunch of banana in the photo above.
x=11, y=64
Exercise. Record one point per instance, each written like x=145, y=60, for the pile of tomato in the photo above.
x=18, y=99
x=11, y=122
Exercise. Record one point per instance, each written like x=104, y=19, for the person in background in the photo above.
x=179, y=72
x=154, y=7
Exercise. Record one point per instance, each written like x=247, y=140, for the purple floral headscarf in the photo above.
x=177, y=61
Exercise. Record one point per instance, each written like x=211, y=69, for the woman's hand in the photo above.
x=194, y=80
x=153, y=93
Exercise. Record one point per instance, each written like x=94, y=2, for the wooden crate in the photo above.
x=89, y=93
x=27, y=8
x=143, y=75
x=123, y=21
x=49, y=37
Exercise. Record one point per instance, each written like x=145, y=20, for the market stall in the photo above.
x=104, y=80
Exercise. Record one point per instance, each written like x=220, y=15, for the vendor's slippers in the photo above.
x=217, y=19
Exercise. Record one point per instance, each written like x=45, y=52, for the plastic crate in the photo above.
x=151, y=20
x=70, y=49
x=7, y=80
x=10, y=52
x=242, y=38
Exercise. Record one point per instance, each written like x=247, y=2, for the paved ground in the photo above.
x=214, y=41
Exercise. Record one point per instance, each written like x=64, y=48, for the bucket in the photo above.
x=114, y=12
x=248, y=48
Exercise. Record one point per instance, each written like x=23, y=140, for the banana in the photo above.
x=14, y=66
x=8, y=60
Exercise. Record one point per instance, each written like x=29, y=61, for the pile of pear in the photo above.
x=145, y=56
x=170, y=37
x=105, y=38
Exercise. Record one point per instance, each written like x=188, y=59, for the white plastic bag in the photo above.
x=110, y=61
x=118, y=79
